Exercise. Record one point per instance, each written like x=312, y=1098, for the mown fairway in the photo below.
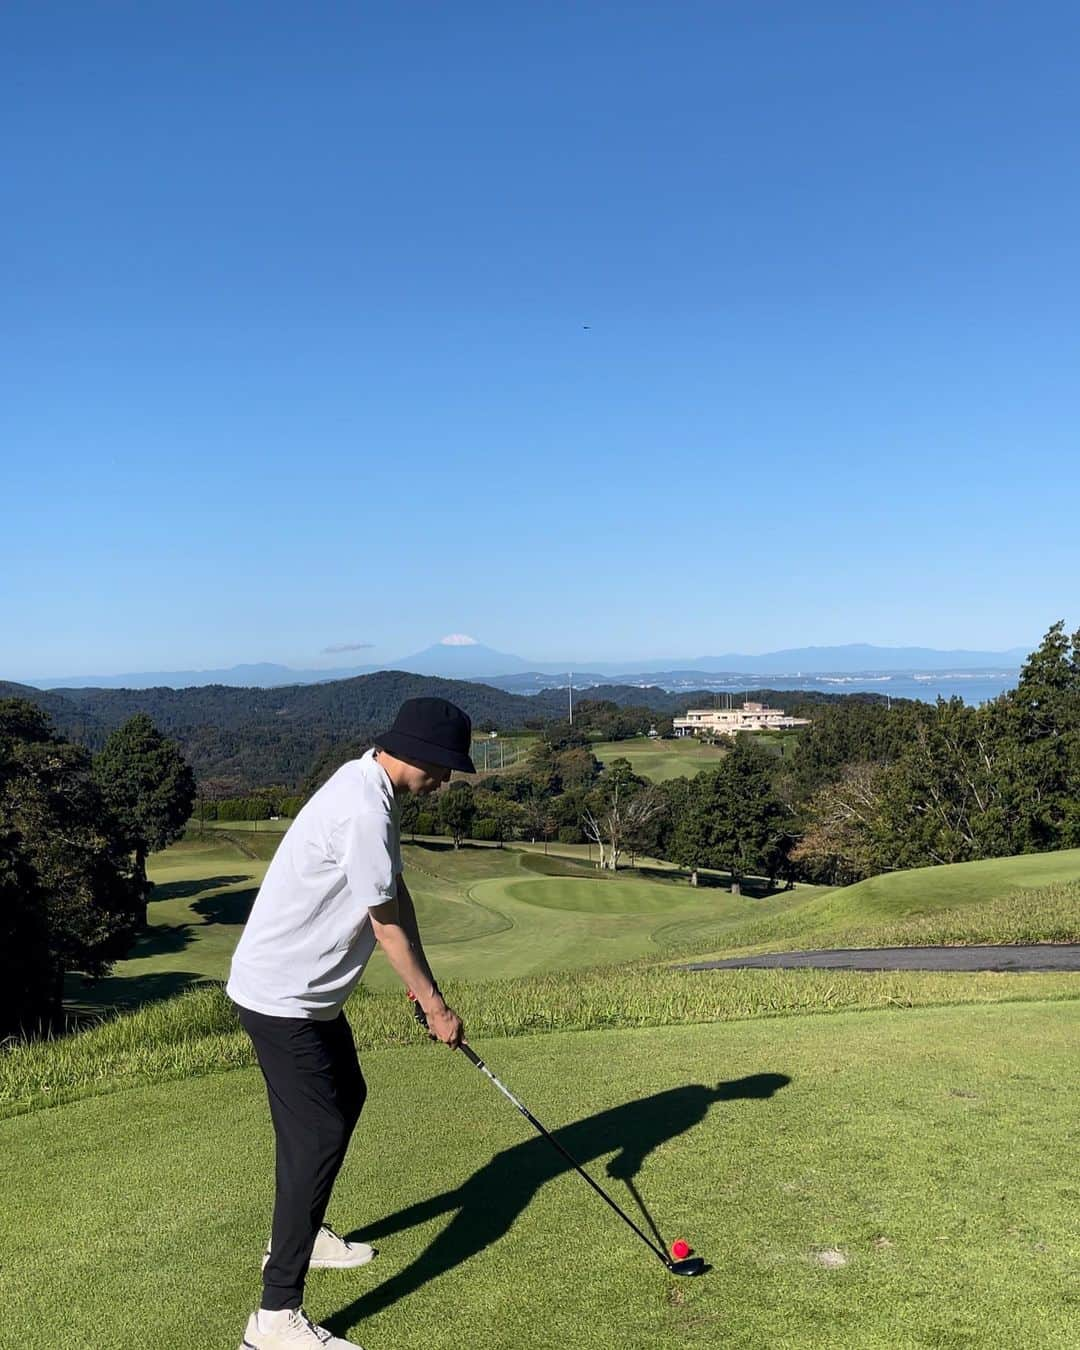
x=873, y=1181
x=491, y=913
x=485, y=913
x=661, y=760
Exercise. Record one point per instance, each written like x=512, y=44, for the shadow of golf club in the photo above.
x=488, y=1203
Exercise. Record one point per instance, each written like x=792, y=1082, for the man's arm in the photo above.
x=395, y=928
x=407, y=918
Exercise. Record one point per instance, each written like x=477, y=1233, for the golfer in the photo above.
x=332, y=891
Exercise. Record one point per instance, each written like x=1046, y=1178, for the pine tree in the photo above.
x=150, y=788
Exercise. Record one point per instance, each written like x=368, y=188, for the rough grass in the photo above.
x=197, y=1032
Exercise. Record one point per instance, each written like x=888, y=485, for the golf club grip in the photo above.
x=474, y=1058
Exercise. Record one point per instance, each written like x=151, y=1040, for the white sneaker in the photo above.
x=332, y=1252
x=294, y=1332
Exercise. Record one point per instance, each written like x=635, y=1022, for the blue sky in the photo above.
x=295, y=350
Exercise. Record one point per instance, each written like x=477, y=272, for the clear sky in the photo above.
x=588, y=329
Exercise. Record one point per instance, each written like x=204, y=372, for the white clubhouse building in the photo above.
x=726, y=721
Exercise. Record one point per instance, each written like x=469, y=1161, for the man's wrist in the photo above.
x=434, y=1002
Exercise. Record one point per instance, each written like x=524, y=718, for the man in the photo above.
x=332, y=891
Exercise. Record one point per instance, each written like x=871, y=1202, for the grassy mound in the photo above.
x=1034, y=897
x=866, y=1182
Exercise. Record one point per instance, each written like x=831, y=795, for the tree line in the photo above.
x=255, y=737
x=75, y=833
x=870, y=788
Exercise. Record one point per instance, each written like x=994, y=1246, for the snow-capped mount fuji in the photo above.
x=461, y=658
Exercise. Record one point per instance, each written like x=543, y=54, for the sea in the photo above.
x=973, y=686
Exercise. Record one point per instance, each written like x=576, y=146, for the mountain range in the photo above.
x=474, y=661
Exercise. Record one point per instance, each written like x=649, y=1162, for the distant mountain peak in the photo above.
x=458, y=640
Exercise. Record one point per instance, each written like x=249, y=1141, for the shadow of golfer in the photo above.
x=490, y=1201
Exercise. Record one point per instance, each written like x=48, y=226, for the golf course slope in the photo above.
x=1032, y=897
x=885, y=1179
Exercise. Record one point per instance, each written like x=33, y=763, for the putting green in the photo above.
x=587, y=896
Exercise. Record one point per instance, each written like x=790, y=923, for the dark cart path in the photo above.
x=1042, y=956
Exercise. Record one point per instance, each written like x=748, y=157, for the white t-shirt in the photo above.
x=308, y=937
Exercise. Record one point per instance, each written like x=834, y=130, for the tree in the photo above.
x=733, y=820
x=841, y=841
x=501, y=815
x=618, y=812
x=941, y=800
x=536, y=814
x=1036, y=731
x=26, y=986
x=150, y=788
x=410, y=814
x=576, y=767
x=68, y=902
x=457, y=810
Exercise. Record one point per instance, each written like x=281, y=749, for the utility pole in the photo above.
x=571, y=675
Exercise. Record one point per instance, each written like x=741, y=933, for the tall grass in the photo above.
x=197, y=1032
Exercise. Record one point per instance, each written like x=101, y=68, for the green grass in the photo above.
x=963, y=902
x=490, y=914
x=567, y=917
x=660, y=760
x=906, y=1186
x=202, y=895
x=474, y=922
x=196, y=1033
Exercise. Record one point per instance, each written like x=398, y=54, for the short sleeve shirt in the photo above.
x=308, y=937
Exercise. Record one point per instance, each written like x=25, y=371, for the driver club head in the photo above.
x=692, y=1265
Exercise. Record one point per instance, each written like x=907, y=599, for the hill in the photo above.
x=992, y=900
x=263, y=736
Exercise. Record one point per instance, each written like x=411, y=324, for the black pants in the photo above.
x=316, y=1093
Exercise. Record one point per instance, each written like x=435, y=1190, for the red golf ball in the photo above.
x=680, y=1250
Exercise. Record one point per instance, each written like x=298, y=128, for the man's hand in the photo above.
x=447, y=1025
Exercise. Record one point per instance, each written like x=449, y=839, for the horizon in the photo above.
x=705, y=666
x=587, y=330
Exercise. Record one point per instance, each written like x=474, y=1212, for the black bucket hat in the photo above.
x=430, y=731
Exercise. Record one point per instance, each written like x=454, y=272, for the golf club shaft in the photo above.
x=645, y=1213
x=474, y=1058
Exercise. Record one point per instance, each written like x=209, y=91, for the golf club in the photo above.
x=691, y=1265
